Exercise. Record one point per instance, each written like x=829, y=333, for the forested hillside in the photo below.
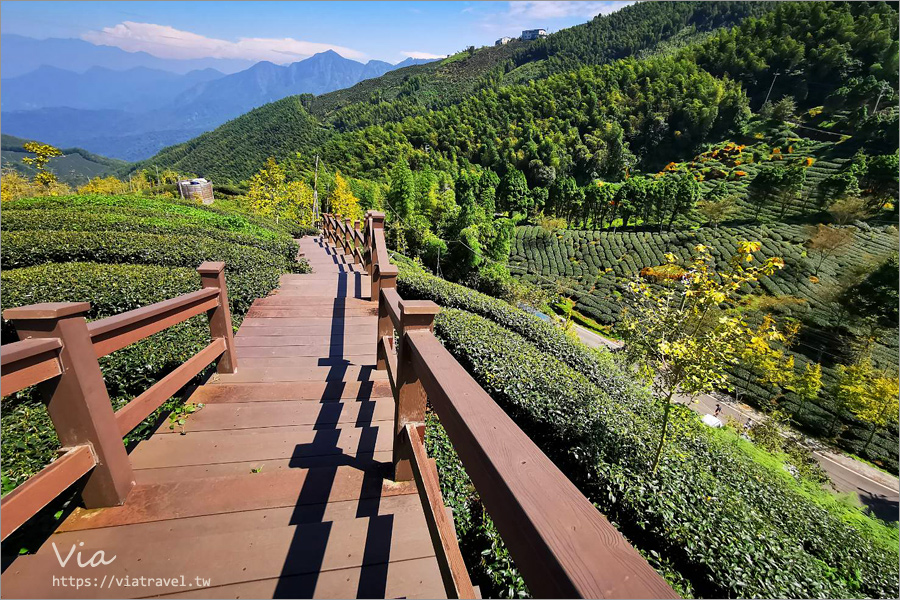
x=76, y=165
x=418, y=90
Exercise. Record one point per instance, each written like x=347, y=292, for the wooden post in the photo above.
x=77, y=401
x=212, y=274
x=385, y=325
x=355, y=241
x=348, y=236
x=409, y=406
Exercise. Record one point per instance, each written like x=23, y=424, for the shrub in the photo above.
x=730, y=525
x=126, y=221
x=28, y=248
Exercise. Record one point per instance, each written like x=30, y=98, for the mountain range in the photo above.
x=131, y=114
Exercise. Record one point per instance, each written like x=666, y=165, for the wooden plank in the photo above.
x=285, y=413
x=306, y=361
x=315, y=335
x=276, y=374
x=297, y=442
x=23, y=502
x=293, y=301
x=130, y=416
x=191, y=497
x=116, y=332
x=290, y=314
x=28, y=362
x=380, y=460
x=392, y=301
x=186, y=528
x=335, y=321
x=417, y=578
x=562, y=545
x=450, y=561
x=255, y=347
x=224, y=559
x=301, y=390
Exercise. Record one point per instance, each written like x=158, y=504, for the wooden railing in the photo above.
x=58, y=352
x=563, y=546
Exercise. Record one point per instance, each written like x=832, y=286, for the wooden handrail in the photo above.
x=116, y=332
x=23, y=502
x=563, y=546
x=28, y=363
x=58, y=342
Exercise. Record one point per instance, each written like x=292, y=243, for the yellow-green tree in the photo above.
x=807, y=386
x=870, y=395
x=342, y=201
x=103, y=185
x=677, y=334
x=42, y=155
x=13, y=185
x=267, y=190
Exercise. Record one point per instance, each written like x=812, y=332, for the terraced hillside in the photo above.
x=120, y=253
x=593, y=268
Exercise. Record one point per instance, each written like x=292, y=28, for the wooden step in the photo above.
x=276, y=374
x=254, y=362
x=301, y=390
x=285, y=413
x=296, y=442
x=227, y=558
x=300, y=349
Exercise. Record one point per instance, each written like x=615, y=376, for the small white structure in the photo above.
x=712, y=421
x=533, y=34
x=503, y=41
x=199, y=189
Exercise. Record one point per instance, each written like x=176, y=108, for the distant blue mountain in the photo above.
x=153, y=109
x=137, y=89
x=20, y=55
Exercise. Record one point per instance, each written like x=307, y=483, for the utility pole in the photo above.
x=777, y=73
x=316, y=193
x=157, y=175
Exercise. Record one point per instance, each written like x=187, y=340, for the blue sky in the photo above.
x=287, y=31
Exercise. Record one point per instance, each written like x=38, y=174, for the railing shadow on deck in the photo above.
x=314, y=495
x=562, y=545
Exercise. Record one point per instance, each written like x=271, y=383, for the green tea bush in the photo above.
x=112, y=289
x=731, y=526
x=28, y=248
x=55, y=219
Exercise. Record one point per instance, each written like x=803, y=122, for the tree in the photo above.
x=42, y=155
x=401, y=196
x=342, y=201
x=807, y=386
x=513, y=193
x=871, y=396
x=103, y=185
x=849, y=209
x=13, y=185
x=717, y=210
x=678, y=336
x=777, y=185
x=827, y=240
x=877, y=404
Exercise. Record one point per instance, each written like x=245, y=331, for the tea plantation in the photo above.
x=592, y=267
x=720, y=518
x=120, y=253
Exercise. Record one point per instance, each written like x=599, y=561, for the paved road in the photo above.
x=875, y=489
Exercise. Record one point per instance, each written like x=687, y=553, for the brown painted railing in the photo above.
x=58, y=352
x=564, y=547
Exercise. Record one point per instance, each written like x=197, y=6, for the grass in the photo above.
x=844, y=506
x=567, y=307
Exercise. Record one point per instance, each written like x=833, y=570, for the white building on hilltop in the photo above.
x=533, y=34
x=503, y=41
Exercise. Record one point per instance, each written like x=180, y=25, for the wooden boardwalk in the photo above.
x=280, y=485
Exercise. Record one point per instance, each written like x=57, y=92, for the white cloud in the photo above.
x=558, y=10
x=167, y=42
x=416, y=54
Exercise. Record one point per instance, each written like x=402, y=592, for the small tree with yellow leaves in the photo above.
x=342, y=201
x=103, y=185
x=13, y=185
x=42, y=155
x=679, y=335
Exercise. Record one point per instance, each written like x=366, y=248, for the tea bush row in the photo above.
x=29, y=248
x=729, y=525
